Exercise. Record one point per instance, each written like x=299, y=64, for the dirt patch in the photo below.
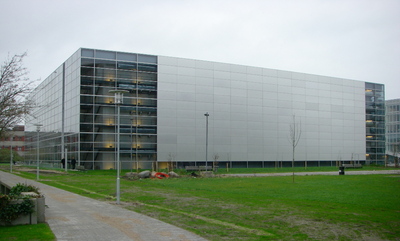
x=33, y=170
x=320, y=229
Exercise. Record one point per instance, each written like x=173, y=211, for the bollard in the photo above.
x=341, y=170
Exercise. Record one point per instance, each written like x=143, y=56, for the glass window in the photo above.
x=105, y=64
x=86, y=99
x=379, y=87
x=87, y=53
x=147, y=67
x=147, y=76
x=107, y=73
x=105, y=54
x=126, y=74
x=87, y=90
x=148, y=83
x=127, y=86
x=127, y=56
x=86, y=127
x=87, y=62
x=147, y=59
x=87, y=71
x=369, y=86
x=104, y=82
x=126, y=65
x=126, y=81
x=86, y=81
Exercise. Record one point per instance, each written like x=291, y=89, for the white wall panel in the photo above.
x=251, y=111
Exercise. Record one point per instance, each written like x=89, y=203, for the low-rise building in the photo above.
x=15, y=139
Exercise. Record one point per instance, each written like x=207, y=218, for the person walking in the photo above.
x=73, y=162
x=63, y=162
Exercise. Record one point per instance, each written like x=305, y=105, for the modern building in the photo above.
x=162, y=117
x=14, y=139
x=393, y=129
x=375, y=123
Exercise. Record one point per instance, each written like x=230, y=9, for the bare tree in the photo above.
x=13, y=86
x=396, y=149
x=294, y=138
x=215, y=163
x=170, y=164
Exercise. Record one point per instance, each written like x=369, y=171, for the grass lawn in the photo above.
x=37, y=232
x=364, y=207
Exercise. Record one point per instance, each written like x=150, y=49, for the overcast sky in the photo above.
x=353, y=39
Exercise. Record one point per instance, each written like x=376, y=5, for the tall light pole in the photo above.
x=119, y=96
x=133, y=122
x=206, y=115
x=11, y=153
x=37, y=150
x=131, y=144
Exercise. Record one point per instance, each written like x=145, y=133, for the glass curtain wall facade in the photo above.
x=393, y=130
x=102, y=71
x=375, y=123
x=90, y=112
x=57, y=111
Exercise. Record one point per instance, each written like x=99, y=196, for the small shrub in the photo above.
x=4, y=200
x=181, y=172
x=20, y=187
x=10, y=209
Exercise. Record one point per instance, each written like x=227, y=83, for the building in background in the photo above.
x=393, y=129
x=375, y=123
x=14, y=139
x=163, y=117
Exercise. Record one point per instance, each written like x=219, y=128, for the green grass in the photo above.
x=340, y=204
x=364, y=207
x=37, y=232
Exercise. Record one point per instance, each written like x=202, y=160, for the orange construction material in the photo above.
x=161, y=175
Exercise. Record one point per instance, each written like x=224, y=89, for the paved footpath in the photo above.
x=74, y=217
x=311, y=173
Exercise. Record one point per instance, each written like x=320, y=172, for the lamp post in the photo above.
x=131, y=144
x=206, y=115
x=37, y=150
x=135, y=122
x=118, y=95
x=11, y=153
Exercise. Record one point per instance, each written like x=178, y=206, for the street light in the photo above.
x=131, y=144
x=134, y=122
x=206, y=115
x=119, y=96
x=37, y=150
x=11, y=153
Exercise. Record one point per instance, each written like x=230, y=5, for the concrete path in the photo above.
x=311, y=173
x=74, y=217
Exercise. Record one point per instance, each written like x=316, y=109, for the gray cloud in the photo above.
x=350, y=39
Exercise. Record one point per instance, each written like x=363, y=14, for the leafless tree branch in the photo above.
x=14, y=85
x=294, y=137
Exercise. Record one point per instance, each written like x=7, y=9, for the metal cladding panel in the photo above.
x=251, y=110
